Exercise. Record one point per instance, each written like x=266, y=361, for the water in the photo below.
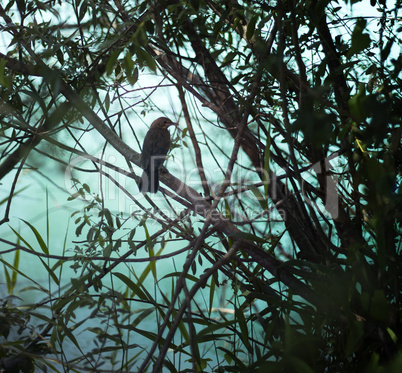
x=44, y=204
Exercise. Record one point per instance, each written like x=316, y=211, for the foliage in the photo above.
x=277, y=246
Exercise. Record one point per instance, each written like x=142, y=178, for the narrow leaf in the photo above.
x=39, y=238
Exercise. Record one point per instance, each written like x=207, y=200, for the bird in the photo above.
x=154, y=150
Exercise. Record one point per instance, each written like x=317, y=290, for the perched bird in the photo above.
x=154, y=150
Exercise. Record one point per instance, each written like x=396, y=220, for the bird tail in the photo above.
x=149, y=182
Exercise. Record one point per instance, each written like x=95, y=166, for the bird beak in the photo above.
x=177, y=127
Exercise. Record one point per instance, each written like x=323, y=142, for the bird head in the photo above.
x=163, y=122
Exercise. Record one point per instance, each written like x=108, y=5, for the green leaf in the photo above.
x=39, y=238
x=211, y=295
x=392, y=335
x=229, y=58
x=267, y=153
x=354, y=338
x=376, y=305
x=51, y=272
x=231, y=355
x=358, y=104
x=251, y=27
x=22, y=239
x=299, y=365
x=178, y=274
x=8, y=280
x=83, y=10
x=227, y=212
x=39, y=287
x=131, y=285
x=360, y=41
x=86, y=188
x=69, y=334
x=195, y=4
x=152, y=263
x=241, y=320
x=4, y=81
x=112, y=61
x=4, y=200
x=248, y=236
x=182, y=328
x=130, y=69
x=107, y=250
x=21, y=6
x=108, y=215
x=144, y=314
x=260, y=198
x=145, y=59
x=16, y=265
x=107, y=102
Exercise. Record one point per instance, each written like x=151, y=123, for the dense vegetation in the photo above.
x=274, y=244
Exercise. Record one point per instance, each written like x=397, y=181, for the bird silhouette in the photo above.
x=154, y=150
